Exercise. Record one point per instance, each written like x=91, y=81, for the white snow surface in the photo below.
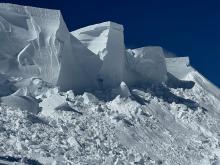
x=106, y=40
x=32, y=41
x=82, y=98
x=146, y=64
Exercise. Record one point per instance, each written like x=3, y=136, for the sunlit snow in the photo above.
x=83, y=98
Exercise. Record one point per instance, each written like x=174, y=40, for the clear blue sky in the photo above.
x=186, y=28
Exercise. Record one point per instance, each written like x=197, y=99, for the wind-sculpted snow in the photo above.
x=82, y=98
x=31, y=41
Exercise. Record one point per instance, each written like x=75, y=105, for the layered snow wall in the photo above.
x=32, y=41
x=35, y=42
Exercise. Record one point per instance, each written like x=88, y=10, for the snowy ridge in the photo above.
x=82, y=98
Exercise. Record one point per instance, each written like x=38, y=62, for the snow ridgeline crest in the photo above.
x=37, y=43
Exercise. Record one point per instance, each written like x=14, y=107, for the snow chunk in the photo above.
x=124, y=90
x=85, y=67
x=178, y=66
x=89, y=98
x=51, y=103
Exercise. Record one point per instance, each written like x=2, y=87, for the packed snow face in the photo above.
x=82, y=98
x=141, y=65
x=106, y=40
x=32, y=41
x=79, y=72
x=145, y=65
x=178, y=66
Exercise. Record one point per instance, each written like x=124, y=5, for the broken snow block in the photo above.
x=51, y=103
x=145, y=65
x=89, y=98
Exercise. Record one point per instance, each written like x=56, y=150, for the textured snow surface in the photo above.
x=31, y=41
x=82, y=98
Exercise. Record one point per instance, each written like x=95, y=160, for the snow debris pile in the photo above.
x=83, y=98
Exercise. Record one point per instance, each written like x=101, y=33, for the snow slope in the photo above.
x=180, y=68
x=82, y=98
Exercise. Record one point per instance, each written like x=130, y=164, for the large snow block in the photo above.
x=32, y=41
x=106, y=40
x=145, y=65
x=35, y=42
x=178, y=66
x=79, y=71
